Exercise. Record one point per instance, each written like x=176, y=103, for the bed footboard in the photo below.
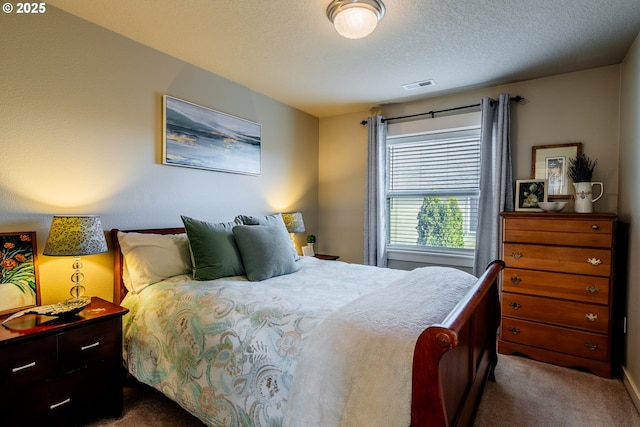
x=453, y=360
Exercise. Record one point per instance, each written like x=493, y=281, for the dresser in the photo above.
x=557, y=288
x=55, y=371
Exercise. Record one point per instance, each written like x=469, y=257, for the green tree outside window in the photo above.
x=440, y=223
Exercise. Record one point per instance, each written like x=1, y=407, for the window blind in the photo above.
x=433, y=188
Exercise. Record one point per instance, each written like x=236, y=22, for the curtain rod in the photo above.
x=433, y=113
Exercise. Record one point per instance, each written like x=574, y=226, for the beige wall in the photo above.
x=342, y=164
x=80, y=130
x=630, y=209
x=577, y=107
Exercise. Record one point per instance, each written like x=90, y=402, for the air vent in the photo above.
x=417, y=85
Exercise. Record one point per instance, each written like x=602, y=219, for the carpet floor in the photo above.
x=526, y=393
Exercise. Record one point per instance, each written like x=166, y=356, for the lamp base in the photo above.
x=77, y=301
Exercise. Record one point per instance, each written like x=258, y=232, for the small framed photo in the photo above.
x=308, y=251
x=19, y=287
x=529, y=192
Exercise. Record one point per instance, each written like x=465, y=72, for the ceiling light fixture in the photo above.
x=355, y=19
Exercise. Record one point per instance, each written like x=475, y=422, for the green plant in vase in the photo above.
x=580, y=168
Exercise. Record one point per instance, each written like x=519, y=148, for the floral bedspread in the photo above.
x=226, y=350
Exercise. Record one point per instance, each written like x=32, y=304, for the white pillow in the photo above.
x=150, y=258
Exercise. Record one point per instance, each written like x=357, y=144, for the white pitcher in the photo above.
x=584, y=196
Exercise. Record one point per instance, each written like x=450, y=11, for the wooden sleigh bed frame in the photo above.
x=452, y=360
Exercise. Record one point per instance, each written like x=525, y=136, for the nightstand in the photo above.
x=55, y=370
x=327, y=257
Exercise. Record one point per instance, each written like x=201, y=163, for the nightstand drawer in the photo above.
x=26, y=363
x=568, y=341
x=89, y=345
x=589, y=317
x=590, y=289
x=587, y=261
x=61, y=399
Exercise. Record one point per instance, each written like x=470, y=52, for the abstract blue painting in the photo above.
x=198, y=137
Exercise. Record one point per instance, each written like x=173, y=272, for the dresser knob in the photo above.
x=594, y=261
x=592, y=289
x=516, y=255
x=591, y=317
x=515, y=279
x=594, y=227
x=514, y=330
x=591, y=346
x=514, y=305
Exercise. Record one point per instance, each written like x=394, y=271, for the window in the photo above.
x=433, y=189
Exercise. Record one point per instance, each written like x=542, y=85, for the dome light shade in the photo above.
x=355, y=19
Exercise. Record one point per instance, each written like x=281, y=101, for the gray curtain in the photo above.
x=496, y=179
x=375, y=239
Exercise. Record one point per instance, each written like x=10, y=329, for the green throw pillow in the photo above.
x=214, y=252
x=274, y=220
x=265, y=251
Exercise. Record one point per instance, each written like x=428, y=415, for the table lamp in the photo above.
x=76, y=236
x=294, y=223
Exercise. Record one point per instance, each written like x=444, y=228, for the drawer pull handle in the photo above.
x=514, y=305
x=514, y=330
x=594, y=261
x=594, y=227
x=516, y=255
x=87, y=347
x=64, y=402
x=591, y=346
x=515, y=280
x=591, y=317
x=592, y=289
x=20, y=368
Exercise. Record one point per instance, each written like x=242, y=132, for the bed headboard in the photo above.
x=119, y=290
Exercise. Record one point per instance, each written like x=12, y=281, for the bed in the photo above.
x=328, y=343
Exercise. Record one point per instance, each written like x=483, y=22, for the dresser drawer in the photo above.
x=591, y=289
x=26, y=363
x=587, y=261
x=568, y=341
x=589, y=317
x=89, y=345
x=590, y=233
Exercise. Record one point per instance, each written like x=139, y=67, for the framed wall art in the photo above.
x=529, y=192
x=550, y=162
x=19, y=287
x=198, y=137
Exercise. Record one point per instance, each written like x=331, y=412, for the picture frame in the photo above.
x=550, y=162
x=529, y=192
x=198, y=137
x=19, y=282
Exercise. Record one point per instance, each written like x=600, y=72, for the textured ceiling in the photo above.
x=289, y=51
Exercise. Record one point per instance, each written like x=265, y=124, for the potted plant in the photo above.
x=580, y=168
x=311, y=239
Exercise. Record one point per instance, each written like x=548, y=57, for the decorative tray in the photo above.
x=69, y=307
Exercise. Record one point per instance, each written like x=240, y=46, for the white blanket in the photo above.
x=356, y=367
